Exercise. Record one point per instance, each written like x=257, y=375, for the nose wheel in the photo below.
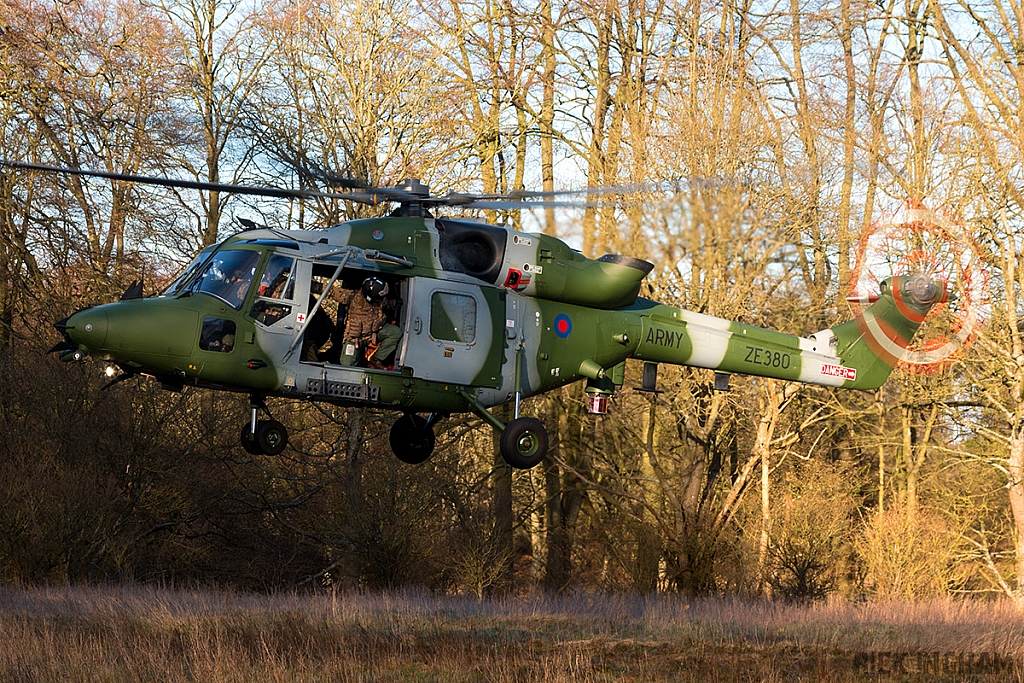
x=263, y=437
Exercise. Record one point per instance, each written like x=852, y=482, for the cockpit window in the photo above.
x=277, y=283
x=278, y=280
x=228, y=276
x=190, y=270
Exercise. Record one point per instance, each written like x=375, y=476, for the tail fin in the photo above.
x=872, y=343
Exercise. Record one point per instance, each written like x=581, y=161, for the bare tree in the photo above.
x=350, y=92
x=988, y=79
x=94, y=91
x=223, y=58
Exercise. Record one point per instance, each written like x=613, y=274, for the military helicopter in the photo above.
x=479, y=315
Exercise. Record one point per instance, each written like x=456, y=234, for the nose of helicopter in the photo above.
x=86, y=328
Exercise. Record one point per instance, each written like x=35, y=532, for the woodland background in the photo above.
x=794, y=125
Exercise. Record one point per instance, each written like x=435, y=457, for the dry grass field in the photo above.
x=147, y=634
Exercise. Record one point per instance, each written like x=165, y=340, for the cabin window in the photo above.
x=269, y=312
x=218, y=334
x=229, y=275
x=453, y=317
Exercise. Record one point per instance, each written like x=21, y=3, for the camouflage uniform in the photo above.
x=362, y=321
x=388, y=338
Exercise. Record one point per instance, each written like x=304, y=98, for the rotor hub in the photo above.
x=414, y=187
x=924, y=291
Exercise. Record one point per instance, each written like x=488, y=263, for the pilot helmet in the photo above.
x=374, y=288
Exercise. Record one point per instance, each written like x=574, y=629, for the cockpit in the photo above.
x=226, y=276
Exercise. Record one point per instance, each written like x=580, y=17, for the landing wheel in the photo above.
x=271, y=437
x=249, y=440
x=412, y=439
x=524, y=443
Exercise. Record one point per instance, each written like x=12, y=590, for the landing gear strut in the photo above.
x=263, y=437
x=524, y=441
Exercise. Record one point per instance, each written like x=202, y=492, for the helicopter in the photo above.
x=479, y=315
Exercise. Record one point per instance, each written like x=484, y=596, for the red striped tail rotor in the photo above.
x=936, y=250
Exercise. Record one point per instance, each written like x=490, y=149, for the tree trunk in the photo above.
x=354, y=442
x=917, y=29
x=915, y=452
x=596, y=171
x=849, y=143
x=1015, y=470
x=546, y=123
x=565, y=495
x=766, y=514
x=501, y=509
x=557, y=559
x=771, y=405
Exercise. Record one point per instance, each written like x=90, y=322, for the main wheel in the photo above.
x=524, y=443
x=271, y=437
x=412, y=441
x=249, y=440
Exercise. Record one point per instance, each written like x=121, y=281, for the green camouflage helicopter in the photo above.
x=478, y=316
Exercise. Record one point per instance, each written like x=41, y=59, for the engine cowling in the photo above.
x=539, y=265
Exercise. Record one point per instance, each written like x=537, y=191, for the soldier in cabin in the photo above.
x=369, y=333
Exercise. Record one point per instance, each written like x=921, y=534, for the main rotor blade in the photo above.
x=396, y=194
x=412, y=193
x=602, y=190
x=589, y=196
x=259, y=191
x=670, y=186
x=514, y=205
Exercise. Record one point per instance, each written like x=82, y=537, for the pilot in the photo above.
x=274, y=280
x=368, y=332
x=230, y=286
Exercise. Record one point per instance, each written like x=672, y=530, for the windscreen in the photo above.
x=228, y=276
x=187, y=273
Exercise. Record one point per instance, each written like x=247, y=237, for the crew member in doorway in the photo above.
x=381, y=356
x=367, y=326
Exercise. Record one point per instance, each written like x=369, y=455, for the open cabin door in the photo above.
x=454, y=332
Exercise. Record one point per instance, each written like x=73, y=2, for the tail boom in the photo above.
x=706, y=342
x=858, y=354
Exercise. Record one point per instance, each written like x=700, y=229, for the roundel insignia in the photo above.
x=563, y=325
x=377, y=234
